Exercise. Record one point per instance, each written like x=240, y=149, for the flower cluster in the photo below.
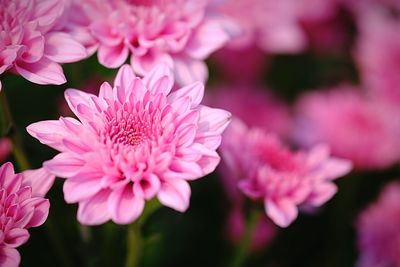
x=133, y=142
x=178, y=33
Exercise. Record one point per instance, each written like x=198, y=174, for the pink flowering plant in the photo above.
x=134, y=141
x=224, y=133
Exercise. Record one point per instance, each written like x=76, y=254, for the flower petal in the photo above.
x=43, y=71
x=94, y=211
x=40, y=180
x=175, y=193
x=62, y=48
x=125, y=207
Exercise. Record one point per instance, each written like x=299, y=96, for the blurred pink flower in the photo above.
x=253, y=64
x=22, y=207
x=283, y=180
x=363, y=130
x=254, y=105
x=5, y=149
x=378, y=55
x=329, y=33
x=179, y=33
x=133, y=142
x=271, y=25
x=31, y=42
x=378, y=230
x=274, y=26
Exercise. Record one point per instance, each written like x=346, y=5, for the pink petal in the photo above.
x=94, y=211
x=125, y=207
x=78, y=188
x=62, y=48
x=9, y=257
x=213, y=120
x=50, y=133
x=104, y=32
x=47, y=12
x=114, y=56
x=35, y=43
x=207, y=38
x=188, y=71
x=43, y=71
x=282, y=212
x=175, y=193
x=41, y=211
x=6, y=171
x=158, y=72
x=106, y=91
x=40, y=180
x=194, y=91
x=75, y=98
x=16, y=237
x=321, y=194
x=123, y=80
x=64, y=165
x=145, y=63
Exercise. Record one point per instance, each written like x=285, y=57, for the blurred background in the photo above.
x=311, y=71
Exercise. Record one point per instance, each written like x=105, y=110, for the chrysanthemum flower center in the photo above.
x=130, y=129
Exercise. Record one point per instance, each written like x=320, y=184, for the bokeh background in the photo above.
x=200, y=237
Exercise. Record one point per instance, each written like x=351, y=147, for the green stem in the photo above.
x=135, y=240
x=242, y=250
x=8, y=129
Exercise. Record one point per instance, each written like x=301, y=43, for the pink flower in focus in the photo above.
x=363, y=130
x=133, y=142
x=179, y=33
x=378, y=230
x=283, y=180
x=254, y=105
x=31, y=43
x=22, y=206
x=5, y=148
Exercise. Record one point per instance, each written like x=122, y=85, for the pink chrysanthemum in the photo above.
x=22, y=206
x=378, y=230
x=31, y=43
x=179, y=33
x=283, y=180
x=133, y=142
x=5, y=148
x=363, y=130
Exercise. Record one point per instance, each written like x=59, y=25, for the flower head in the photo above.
x=133, y=142
x=179, y=33
x=363, y=130
x=378, y=230
x=22, y=206
x=31, y=43
x=268, y=171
